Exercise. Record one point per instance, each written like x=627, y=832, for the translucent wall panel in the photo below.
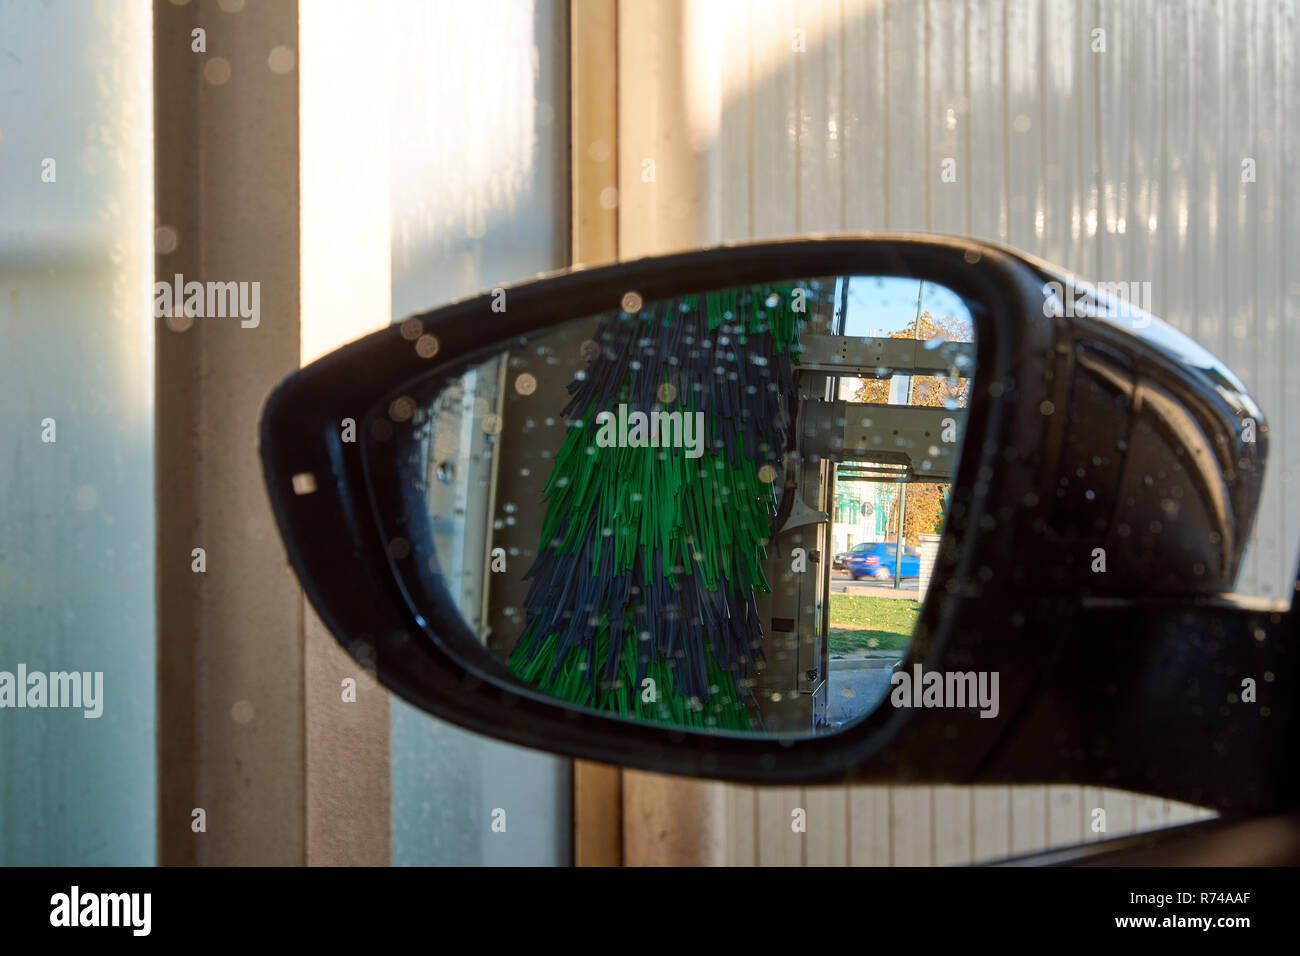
x=479, y=197
x=76, y=433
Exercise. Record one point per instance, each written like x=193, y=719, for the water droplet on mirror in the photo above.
x=401, y=409
x=446, y=472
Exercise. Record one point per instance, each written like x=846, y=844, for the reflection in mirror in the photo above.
x=716, y=512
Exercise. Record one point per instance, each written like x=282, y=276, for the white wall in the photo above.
x=477, y=164
x=1123, y=165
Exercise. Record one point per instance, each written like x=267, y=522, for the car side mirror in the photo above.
x=601, y=513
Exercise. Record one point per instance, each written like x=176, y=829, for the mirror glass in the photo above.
x=717, y=512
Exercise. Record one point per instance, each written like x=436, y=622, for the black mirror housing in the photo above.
x=1082, y=436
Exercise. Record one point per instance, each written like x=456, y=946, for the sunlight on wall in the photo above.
x=434, y=139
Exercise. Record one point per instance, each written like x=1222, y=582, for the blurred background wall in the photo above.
x=361, y=164
x=478, y=154
x=1148, y=141
x=76, y=346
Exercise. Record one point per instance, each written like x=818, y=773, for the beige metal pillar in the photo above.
x=231, y=735
x=261, y=759
x=593, y=86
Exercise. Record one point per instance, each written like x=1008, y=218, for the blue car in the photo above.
x=877, y=560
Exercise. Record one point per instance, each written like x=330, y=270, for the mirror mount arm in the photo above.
x=1204, y=682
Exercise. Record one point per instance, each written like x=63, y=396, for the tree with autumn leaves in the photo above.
x=925, y=500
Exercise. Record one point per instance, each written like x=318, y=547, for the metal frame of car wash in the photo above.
x=899, y=444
